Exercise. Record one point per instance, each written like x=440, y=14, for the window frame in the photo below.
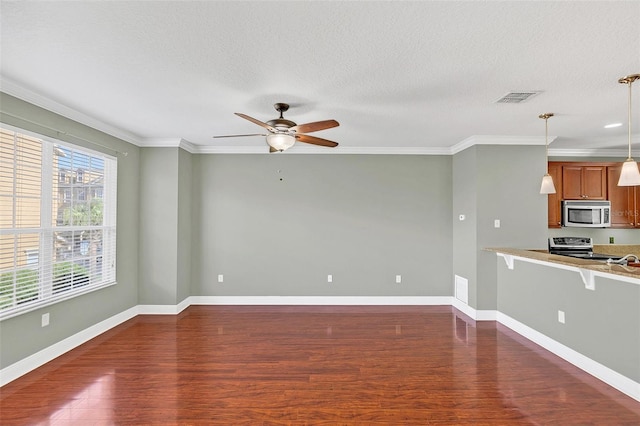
x=101, y=272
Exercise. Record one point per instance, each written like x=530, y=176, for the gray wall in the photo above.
x=465, y=232
x=185, y=220
x=23, y=335
x=165, y=225
x=603, y=325
x=600, y=235
x=158, y=221
x=495, y=182
x=279, y=224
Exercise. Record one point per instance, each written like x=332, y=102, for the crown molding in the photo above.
x=12, y=88
x=301, y=148
x=160, y=143
x=622, y=153
x=208, y=149
x=499, y=140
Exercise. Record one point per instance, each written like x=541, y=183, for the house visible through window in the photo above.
x=32, y=257
x=57, y=234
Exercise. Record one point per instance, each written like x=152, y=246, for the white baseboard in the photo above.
x=607, y=375
x=478, y=315
x=612, y=378
x=164, y=309
x=320, y=300
x=40, y=358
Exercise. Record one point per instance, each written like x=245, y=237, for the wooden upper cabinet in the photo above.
x=635, y=213
x=595, y=182
x=584, y=182
x=623, y=200
x=572, y=183
x=554, y=200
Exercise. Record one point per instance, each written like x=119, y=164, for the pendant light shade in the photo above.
x=547, y=186
x=630, y=175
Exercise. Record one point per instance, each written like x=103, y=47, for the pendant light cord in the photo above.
x=546, y=141
x=546, y=117
x=629, y=80
x=630, y=83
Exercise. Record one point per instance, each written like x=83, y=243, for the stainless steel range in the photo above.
x=578, y=247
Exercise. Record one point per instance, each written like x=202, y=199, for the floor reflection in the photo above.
x=310, y=365
x=92, y=404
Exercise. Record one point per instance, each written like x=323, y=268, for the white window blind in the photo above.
x=57, y=222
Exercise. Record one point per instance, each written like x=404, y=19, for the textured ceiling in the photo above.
x=398, y=76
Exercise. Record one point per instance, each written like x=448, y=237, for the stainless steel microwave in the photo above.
x=586, y=213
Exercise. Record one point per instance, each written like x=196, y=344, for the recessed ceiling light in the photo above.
x=612, y=125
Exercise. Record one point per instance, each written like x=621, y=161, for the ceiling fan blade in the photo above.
x=239, y=136
x=316, y=141
x=315, y=126
x=255, y=121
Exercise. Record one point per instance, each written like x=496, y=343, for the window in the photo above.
x=57, y=237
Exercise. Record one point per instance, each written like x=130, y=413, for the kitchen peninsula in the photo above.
x=585, y=311
x=590, y=265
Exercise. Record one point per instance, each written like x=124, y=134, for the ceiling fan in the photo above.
x=284, y=133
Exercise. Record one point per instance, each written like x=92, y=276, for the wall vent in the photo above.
x=517, y=97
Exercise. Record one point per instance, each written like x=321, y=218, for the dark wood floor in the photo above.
x=312, y=366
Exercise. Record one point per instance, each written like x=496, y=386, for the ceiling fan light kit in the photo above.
x=547, y=186
x=284, y=133
x=629, y=175
x=280, y=141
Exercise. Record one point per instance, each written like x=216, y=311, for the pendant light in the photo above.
x=629, y=176
x=547, y=186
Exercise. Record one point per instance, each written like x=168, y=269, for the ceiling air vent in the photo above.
x=516, y=97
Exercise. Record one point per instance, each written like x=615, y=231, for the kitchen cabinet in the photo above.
x=554, y=201
x=584, y=182
x=592, y=181
x=625, y=200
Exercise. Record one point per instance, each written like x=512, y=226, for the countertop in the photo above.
x=593, y=265
x=617, y=249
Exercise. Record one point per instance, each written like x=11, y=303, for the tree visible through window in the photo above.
x=57, y=223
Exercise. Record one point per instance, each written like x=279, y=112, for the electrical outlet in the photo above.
x=496, y=223
x=561, y=317
x=220, y=278
x=45, y=319
x=398, y=279
x=329, y=278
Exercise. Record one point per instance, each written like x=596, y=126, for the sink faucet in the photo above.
x=624, y=260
